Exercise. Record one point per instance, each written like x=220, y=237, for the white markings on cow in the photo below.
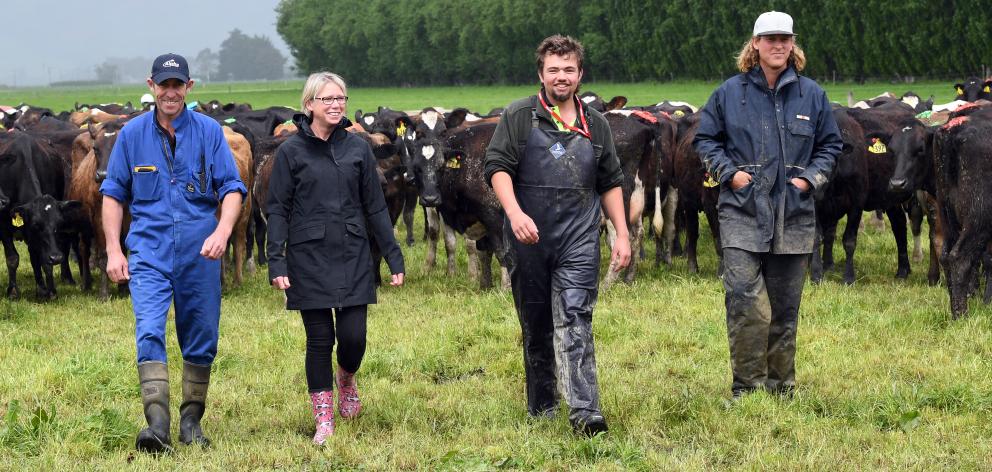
x=48, y=207
x=589, y=99
x=429, y=118
x=413, y=136
x=107, y=135
x=862, y=104
x=24, y=108
x=949, y=106
x=428, y=152
x=911, y=100
x=907, y=129
x=369, y=120
x=621, y=112
x=471, y=117
x=683, y=104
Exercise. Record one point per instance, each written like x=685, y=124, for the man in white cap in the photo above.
x=768, y=136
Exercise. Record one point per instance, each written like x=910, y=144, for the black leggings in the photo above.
x=320, y=343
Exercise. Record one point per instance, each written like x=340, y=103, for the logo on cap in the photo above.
x=170, y=63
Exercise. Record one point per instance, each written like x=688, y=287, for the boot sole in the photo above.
x=149, y=442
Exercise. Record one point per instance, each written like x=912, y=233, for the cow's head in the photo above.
x=104, y=137
x=911, y=146
x=974, y=89
x=41, y=219
x=592, y=100
x=4, y=201
x=426, y=160
x=388, y=122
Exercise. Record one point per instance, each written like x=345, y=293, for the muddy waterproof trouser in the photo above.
x=763, y=295
x=554, y=281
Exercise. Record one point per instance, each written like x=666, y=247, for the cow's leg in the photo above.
x=816, y=259
x=714, y=222
x=485, y=268
x=42, y=274
x=897, y=217
x=433, y=220
x=475, y=264
x=691, y=237
x=829, y=236
x=101, y=262
x=851, y=243
x=916, y=224
x=83, y=254
x=635, y=230
x=13, y=260
x=409, y=207
x=987, y=268
x=636, y=244
x=936, y=243
x=260, y=229
x=67, y=243
x=959, y=265
x=240, y=248
x=668, y=224
x=451, y=247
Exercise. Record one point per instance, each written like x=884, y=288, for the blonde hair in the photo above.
x=317, y=81
x=748, y=57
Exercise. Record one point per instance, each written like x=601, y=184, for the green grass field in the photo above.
x=887, y=381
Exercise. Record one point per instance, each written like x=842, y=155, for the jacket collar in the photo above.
x=757, y=76
x=181, y=120
x=339, y=132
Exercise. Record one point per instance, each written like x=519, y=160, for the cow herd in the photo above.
x=902, y=157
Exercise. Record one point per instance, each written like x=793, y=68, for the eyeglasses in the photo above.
x=330, y=100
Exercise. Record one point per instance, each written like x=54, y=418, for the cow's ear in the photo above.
x=403, y=125
x=76, y=106
x=70, y=205
x=987, y=87
x=92, y=128
x=358, y=115
x=959, y=88
x=616, y=103
x=880, y=135
x=928, y=134
x=455, y=118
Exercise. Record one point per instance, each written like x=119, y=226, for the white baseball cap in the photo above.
x=773, y=22
x=147, y=98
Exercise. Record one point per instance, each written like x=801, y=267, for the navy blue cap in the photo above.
x=170, y=66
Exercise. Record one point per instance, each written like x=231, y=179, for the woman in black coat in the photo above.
x=324, y=198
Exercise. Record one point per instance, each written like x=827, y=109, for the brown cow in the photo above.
x=241, y=150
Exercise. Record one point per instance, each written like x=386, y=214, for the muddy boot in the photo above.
x=196, y=379
x=323, y=415
x=589, y=424
x=349, y=405
x=154, y=378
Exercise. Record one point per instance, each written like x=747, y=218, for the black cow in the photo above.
x=32, y=177
x=960, y=149
x=843, y=195
x=29, y=116
x=697, y=191
x=591, y=100
x=880, y=123
x=260, y=122
x=974, y=89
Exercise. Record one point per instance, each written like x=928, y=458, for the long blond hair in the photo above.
x=748, y=57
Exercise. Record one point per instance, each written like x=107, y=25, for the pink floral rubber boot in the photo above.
x=348, y=402
x=323, y=414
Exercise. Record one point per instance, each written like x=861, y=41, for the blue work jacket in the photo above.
x=774, y=134
x=172, y=197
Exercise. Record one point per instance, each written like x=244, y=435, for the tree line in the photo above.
x=439, y=42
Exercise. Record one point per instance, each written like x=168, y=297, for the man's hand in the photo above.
x=117, y=267
x=740, y=180
x=281, y=282
x=215, y=244
x=800, y=184
x=397, y=280
x=621, y=253
x=523, y=228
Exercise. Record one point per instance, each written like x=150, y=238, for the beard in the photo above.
x=564, y=98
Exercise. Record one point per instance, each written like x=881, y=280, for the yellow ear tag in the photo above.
x=454, y=163
x=401, y=129
x=960, y=91
x=709, y=182
x=877, y=147
x=986, y=89
x=679, y=113
x=17, y=221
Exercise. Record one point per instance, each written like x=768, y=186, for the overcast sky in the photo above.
x=49, y=40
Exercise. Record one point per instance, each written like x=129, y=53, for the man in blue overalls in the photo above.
x=552, y=163
x=171, y=166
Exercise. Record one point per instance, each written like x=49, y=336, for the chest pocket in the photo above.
x=200, y=180
x=144, y=183
x=800, y=139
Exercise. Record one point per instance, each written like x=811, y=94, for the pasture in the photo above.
x=886, y=380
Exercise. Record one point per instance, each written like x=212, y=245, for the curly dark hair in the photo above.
x=560, y=46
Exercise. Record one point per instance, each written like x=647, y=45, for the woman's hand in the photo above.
x=397, y=280
x=282, y=282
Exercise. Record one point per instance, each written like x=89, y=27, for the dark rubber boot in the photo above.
x=154, y=378
x=196, y=379
x=589, y=424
